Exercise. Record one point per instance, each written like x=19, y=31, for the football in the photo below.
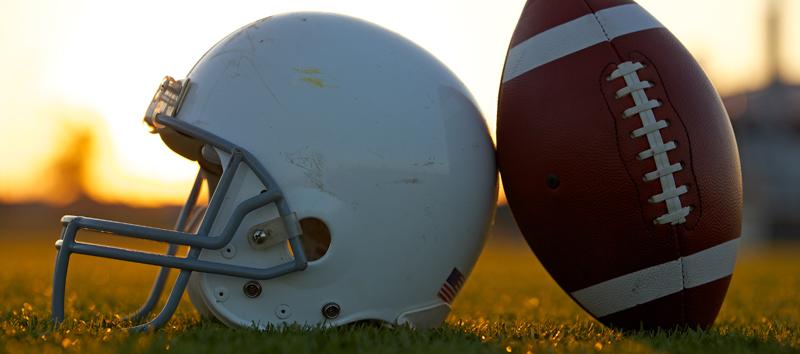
x=619, y=163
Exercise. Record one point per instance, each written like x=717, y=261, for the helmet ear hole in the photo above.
x=316, y=238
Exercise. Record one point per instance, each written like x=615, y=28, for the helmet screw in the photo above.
x=259, y=236
x=228, y=252
x=283, y=311
x=252, y=289
x=331, y=310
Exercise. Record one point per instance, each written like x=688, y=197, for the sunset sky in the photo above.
x=92, y=66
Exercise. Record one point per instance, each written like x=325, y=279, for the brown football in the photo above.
x=619, y=163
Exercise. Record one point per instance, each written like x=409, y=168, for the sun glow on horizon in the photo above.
x=88, y=68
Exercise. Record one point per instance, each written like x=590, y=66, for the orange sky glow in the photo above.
x=88, y=68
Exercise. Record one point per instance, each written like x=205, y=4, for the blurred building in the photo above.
x=767, y=126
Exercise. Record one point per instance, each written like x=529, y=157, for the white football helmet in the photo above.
x=353, y=179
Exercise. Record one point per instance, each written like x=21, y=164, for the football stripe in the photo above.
x=658, y=281
x=621, y=20
x=576, y=35
x=711, y=264
x=553, y=44
x=631, y=289
x=700, y=306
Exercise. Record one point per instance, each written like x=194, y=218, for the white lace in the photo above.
x=651, y=128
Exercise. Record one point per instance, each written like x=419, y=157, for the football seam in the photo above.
x=676, y=232
x=698, y=212
x=605, y=33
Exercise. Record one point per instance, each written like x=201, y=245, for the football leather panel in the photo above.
x=711, y=172
x=554, y=123
x=702, y=303
x=597, y=5
x=575, y=181
x=665, y=312
x=540, y=15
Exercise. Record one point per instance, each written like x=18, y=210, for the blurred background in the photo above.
x=77, y=77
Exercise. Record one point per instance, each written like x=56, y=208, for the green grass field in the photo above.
x=508, y=305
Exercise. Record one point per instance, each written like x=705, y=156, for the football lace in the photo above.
x=651, y=128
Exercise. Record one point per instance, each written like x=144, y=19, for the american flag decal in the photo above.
x=451, y=286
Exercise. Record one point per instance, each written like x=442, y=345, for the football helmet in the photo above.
x=352, y=178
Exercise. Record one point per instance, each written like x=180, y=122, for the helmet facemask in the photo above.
x=190, y=142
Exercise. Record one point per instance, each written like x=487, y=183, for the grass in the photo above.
x=509, y=304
